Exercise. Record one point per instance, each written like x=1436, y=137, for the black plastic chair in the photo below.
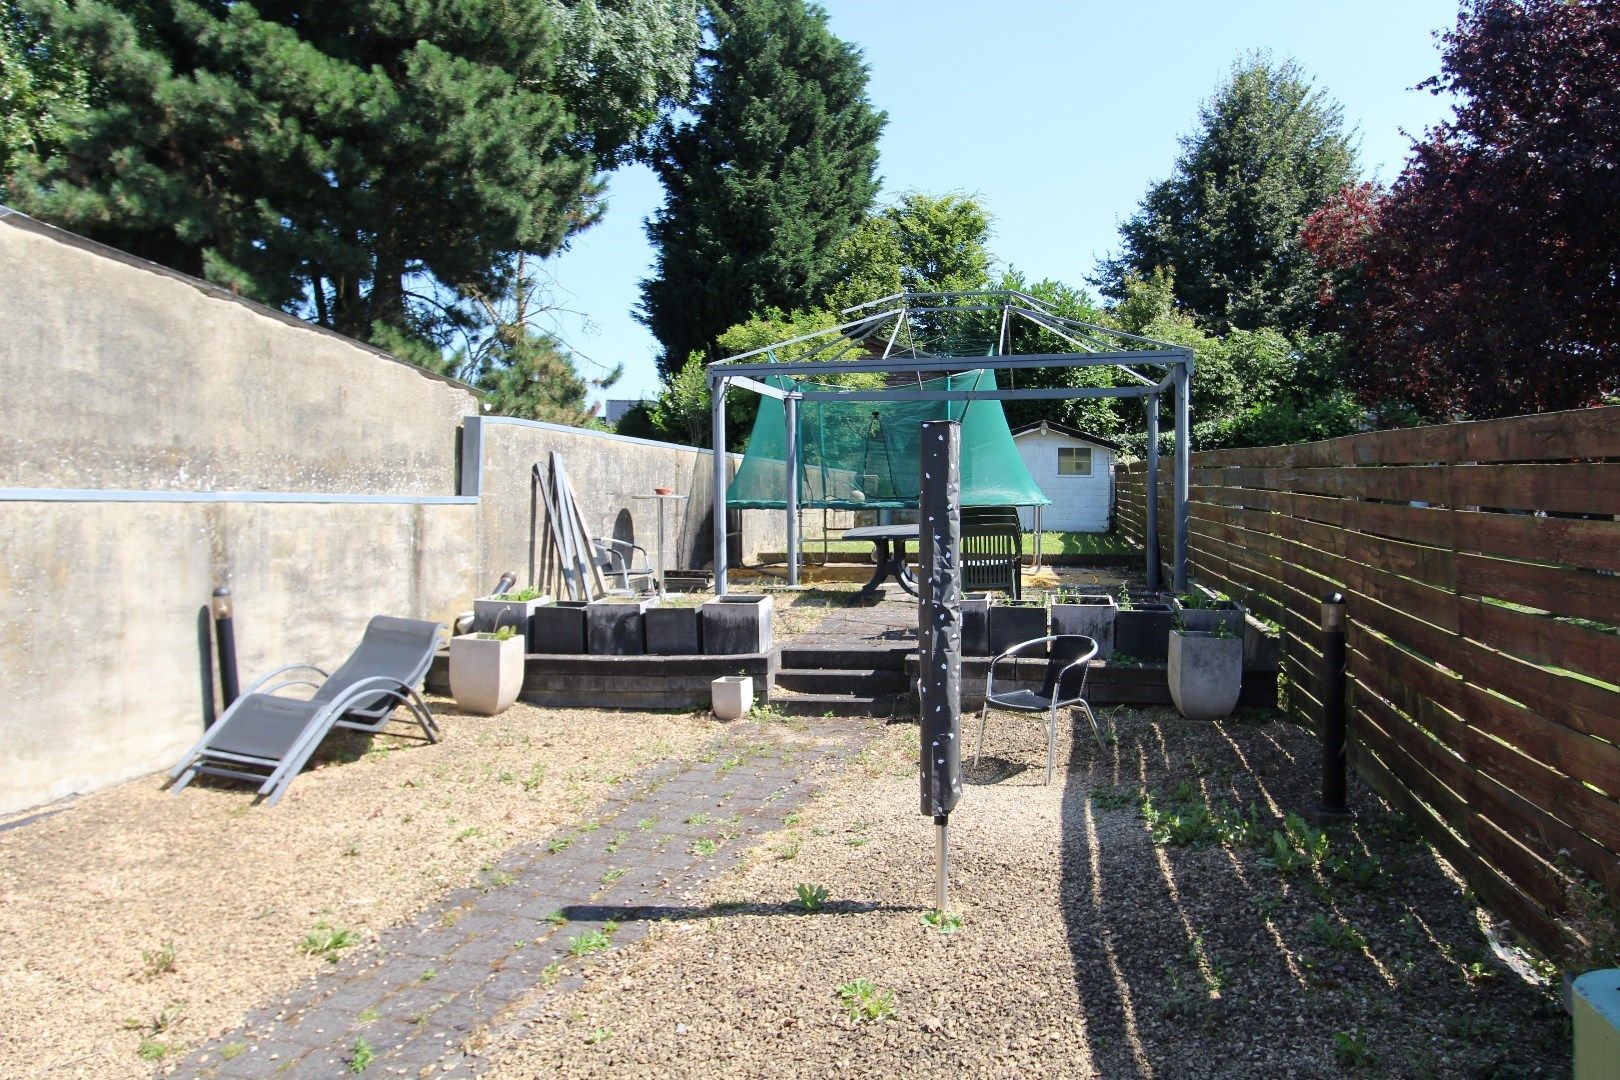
x=1067, y=666
x=267, y=739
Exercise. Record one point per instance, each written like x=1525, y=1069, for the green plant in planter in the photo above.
x=519, y=597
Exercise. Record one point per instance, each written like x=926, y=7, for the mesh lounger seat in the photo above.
x=1065, y=684
x=267, y=739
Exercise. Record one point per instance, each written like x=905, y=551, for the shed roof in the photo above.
x=1065, y=429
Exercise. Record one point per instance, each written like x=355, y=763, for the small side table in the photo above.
x=658, y=558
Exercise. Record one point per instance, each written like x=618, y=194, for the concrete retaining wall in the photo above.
x=160, y=437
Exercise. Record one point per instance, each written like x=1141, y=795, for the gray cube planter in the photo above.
x=615, y=627
x=490, y=614
x=558, y=628
x=1206, y=674
x=1207, y=618
x=1090, y=614
x=976, y=624
x=1143, y=630
x=735, y=624
x=673, y=631
x=1014, y=621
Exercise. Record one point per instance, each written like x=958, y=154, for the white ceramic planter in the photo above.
x=486, y=673
x=1206, y=674
x=732, y=696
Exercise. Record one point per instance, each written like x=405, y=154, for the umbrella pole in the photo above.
x=942, y=833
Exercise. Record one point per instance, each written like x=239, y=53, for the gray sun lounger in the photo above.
x=267, y=739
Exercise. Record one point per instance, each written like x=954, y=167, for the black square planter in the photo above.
x=735, y=624
x=1143, y=631
x=615, y=628
x=558, y=628
x=976, y=624
x=673, y=631
x=1013, y=623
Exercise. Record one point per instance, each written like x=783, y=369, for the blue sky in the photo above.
x=1058, y=115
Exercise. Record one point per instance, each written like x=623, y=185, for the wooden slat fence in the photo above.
x=1481, y=564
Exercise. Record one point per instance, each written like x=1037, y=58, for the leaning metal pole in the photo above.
x=1183, y=461
x=717, y=413
x=939, y=634
x=790, y=411
x=1150, y=523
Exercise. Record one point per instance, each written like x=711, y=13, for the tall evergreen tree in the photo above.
x=1269, y=150
x=348, y=160
x=43, y=90
x=774, y=169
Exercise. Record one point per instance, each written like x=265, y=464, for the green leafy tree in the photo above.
x=1269, y=150
x=918, y=243
x=773, y=170
x=43, y=91
x=353, y=162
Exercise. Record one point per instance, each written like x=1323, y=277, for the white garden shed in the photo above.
x=1075, y=470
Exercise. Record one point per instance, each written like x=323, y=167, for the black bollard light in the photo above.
x=225, y=641
x=1333, y=806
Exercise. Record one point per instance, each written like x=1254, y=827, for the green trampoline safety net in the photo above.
x=864, y=454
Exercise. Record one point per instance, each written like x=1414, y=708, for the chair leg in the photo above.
x=984, y=715
x=1051, y=739
x=1095, y=730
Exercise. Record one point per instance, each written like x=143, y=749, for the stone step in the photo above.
x=867, y=683
x=837, y=704
x=882, y=658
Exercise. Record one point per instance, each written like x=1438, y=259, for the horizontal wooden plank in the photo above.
x=1541, y=639
x=1562, y=590
x=1591, y=544
x=1577, y=704
x=1575, y=488
x=1434, y=566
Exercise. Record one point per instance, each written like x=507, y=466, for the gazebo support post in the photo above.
x=790, y=409
x=1183, y=463
x=1150, y=527
x=717, y=414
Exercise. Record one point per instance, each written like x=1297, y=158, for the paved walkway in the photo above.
x=475, y=967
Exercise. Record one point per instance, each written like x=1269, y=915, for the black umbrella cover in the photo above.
x=939, y=617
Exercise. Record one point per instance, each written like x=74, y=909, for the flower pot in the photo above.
x=558, y=628
x=1206, y=674
x=976, y=624
x=1208, y=613
x=732, y=696
x=673, y=631
x=1143, y=630
x=1013, y=621
x=486, y=673
x=736, y=624
x=490, y=614
x=615, y=628
x=1089, y=614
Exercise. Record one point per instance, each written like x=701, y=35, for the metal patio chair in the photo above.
x=1067, y=666
x=617, y=558
x=267, y=739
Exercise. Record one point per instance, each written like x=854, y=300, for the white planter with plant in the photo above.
x=732, y=696
x=514, y=609
x=486, y=670
x=1205, y=672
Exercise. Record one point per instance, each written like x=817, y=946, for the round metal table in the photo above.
x=889, y=551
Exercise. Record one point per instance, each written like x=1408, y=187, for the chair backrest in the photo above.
x=393, y=648
x=1066, y=649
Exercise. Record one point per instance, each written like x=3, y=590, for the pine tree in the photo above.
x=1270, y=149
x=775, y=168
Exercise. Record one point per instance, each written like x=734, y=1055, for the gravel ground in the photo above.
x=1084, y=949
x=134, y=917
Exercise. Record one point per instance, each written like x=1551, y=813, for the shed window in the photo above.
x=1074, y=461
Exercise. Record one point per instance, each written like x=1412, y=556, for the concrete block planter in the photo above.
x=515, y=609
x=732, y=696
x=1200, y=612
x=1142, y=630
x=1013, y=621
x=558, y=628
x=486, y=672
x=673, y=631
x=976, y=624
x=1090, y=614
x=614, y=627
x=738, y=623
x=1206, y=673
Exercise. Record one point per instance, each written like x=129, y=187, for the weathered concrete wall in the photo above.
x=119, y=374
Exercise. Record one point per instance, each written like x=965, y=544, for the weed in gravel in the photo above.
x=232, y=1051
x=811, y=897
x=1362, y=873
x=943, y=921
x=500, y=879
x=361, y=1056
x=1297, y=846
x=591, y=941
x=159, y=1024
x=590, y=826
x=559, y=844
x=699, y=819
x=614, y=875
x=646, y=824
x=704, y=847
x=732, y=762
x=1350, y=1050
x=326, y=941
x=551, y=973
x=152, y=1050
x=366, y=1016
x=1338, y=936
x=428, y=975
x=598, y=1035
x=1116, y=798
x=159, y=961
x=556, y=918
x=617, y=840
x=469, y=833
x=865, y=1002
x=789, y=849
x=792, y=818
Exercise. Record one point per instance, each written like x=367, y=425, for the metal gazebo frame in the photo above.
x=1097, y=346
